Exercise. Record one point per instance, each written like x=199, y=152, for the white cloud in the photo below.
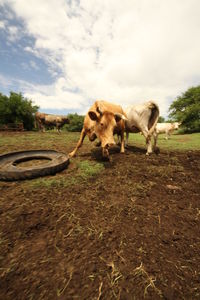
x=13, y=33
x=2, y=25
x=122, y=51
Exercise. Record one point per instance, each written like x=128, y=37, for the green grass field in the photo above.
x=175, y=142
x=31, y=140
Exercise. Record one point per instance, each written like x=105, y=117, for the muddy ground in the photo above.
x=131, y=231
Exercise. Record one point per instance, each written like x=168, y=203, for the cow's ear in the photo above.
x=119, y=117
x=93, y=116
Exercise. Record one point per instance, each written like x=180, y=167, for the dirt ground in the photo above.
x=130, y=232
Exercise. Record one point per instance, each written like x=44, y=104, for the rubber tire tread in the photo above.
x=9, y=172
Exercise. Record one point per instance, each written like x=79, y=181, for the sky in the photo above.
x=65, y=54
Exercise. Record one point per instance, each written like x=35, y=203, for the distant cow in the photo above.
x=43, y=119
x=142, y=118
x=102, y=121
x=166, y=128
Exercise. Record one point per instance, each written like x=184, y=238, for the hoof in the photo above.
x=148, y=153
x=157, y=150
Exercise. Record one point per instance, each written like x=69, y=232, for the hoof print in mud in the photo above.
x=12, y=168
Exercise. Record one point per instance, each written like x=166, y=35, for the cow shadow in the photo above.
x=135, y=149
x=96, y=153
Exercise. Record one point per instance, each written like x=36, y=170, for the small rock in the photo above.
x=173, y=187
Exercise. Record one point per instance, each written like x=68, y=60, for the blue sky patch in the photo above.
x=15, y=61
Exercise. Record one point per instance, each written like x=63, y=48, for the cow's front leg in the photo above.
x=166, y=135
x=58, y=128
x=80, y=142
x=122, y=142
x=43, y=128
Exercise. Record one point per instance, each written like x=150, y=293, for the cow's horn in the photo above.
x=120, y=116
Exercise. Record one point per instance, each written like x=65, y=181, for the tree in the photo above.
x=76, y=122
x=17, y=109
x=186, y=109
x=161, y=119
x=4, y=111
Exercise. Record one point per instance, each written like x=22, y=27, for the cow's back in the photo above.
x=107, y=106
x=51, y=118
x=40, y=116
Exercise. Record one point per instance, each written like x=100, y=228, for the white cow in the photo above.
x=166, y=128
x=142, y=118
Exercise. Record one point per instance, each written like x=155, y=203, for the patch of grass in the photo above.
x=85, y=170
x=52, y=182
x=88, y=169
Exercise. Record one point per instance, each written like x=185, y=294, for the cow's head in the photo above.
x=105, y=124
x=176, y=125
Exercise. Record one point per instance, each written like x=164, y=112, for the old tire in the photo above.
x=9, y=171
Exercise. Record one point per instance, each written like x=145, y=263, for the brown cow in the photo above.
x=43, y=119
x=102, y=121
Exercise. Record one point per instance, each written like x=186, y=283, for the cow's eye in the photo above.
x=101, y=124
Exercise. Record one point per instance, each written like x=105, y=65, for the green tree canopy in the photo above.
x=186, y=109
x=161, y=119
x=76, y=122
x=17, y=109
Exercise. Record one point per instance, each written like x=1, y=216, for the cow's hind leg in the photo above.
x=127, y=135
x=79, y=144
x=148, y=141
x=155, y=148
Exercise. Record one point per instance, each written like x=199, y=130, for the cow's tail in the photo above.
x=154, y=117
